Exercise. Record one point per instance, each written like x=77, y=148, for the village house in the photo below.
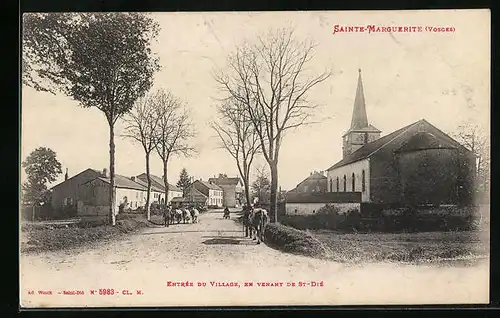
x=232, y=190
x=65, y=194
x=94, y=196
x=417, y=164
x=213, y=192
x=315, y=182
x=159, y=186
x=194, y=196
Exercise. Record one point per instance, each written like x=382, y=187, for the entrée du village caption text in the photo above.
x=127, y=292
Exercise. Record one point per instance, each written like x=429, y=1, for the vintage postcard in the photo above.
x=255, y=158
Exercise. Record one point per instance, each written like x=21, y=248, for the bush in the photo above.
x=293, y=241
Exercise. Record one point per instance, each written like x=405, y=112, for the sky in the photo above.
x=442, y=77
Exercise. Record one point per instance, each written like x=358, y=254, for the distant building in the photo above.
x=417, y=164
x=194, y=196
x=94, y=196
x=213, y=192
x=315, y=182
x=157, y=182
x=232, y=190
x=65, y=194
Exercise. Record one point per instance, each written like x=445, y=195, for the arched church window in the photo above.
x=331, y=185
x=353, y=182
x=345, y=183
x=366, y=137
x=363, y=181
x=338, y=187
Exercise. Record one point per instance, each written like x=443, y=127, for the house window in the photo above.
x=331, y=185
x=363, y=182
x=345, y=183
x=338, y=186
x=353, y=182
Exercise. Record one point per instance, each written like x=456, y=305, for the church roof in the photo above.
x=369, y=128
x=359, y=117
x=359, y=121
x=370, y=148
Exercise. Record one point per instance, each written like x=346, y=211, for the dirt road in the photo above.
x=215, y=252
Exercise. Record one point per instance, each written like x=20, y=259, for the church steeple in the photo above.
x=360, y=132
x=359, y=118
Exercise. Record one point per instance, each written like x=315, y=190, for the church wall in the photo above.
x=429, y=176
x=385, y=175
x=347, y=170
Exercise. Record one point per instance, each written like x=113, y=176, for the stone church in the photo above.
x=416, y=165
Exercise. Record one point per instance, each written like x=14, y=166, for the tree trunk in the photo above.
x=165, y=179
x=112, y=193
x=247, y=190
x=274, y=189
x=148, y=194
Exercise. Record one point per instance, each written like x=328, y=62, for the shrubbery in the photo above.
x=292, y=240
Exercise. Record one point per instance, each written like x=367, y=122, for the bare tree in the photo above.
x=141, y=126
x=174, y=132
x=238, y=137
x=475, y=139
x=272, y=80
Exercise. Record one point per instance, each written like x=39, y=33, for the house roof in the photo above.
x=209, y=185
x=76, y=175
x=154, y=187
x=159, y=182
x=197, y=192
x=315, y=176
x=370, y=148
x=225, y=181
x=124, y=182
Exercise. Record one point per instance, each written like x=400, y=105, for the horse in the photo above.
x=194, y=215
x=258, y=219
x=178, y=215
x=186, y=215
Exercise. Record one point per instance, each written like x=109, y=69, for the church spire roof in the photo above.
x=359, y=117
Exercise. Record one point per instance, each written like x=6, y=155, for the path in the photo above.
x=215, y=250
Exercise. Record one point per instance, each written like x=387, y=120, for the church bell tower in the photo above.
x=360, y=132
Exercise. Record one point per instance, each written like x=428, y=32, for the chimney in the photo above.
x=66, y=175
x=105, y=173
x=132, y=178
x=311, y=173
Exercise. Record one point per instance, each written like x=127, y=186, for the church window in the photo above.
x=345, y=183
x=363, y=181
x=338, y=187
x=331, y=185
x=353, y=182
x=366, y=138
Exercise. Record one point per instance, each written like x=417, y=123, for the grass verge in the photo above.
x=36, y=238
